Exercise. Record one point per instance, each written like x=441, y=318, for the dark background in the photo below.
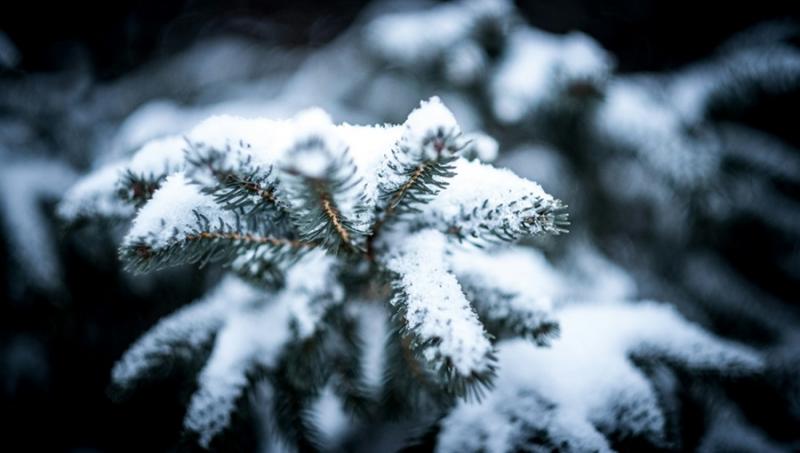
x=118, y=36
x=55, y=396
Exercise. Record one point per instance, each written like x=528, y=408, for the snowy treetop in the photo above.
x=316, y=214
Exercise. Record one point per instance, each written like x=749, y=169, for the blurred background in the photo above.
x=703, y=213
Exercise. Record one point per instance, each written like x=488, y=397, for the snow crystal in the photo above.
x=587, y=378
x=172, y=210
x=435, y=307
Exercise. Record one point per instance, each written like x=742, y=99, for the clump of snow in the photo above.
x=586, y=385
x=435, y=308
x=263, y=140
x=251, y=333
x=427, y=129
x=317, y=144
x=171, y=212
x=368, y=146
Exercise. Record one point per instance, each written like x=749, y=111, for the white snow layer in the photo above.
x=424, y=123
x=254, y=335
x=184, y=331
x=171, y=213
x=522, y=276
x=435, y=307
x=477, y=186
x=586, y=386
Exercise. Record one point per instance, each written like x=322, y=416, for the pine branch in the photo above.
x=421, y=183
x=136, y=189
x=297, y=383
x=325, y=202
x=240, y=185
x=529, y=216
x=419, y=165
x=185, y=335
x=294, y=215
x=532, y=324
x=436, y=320
x=344, y=357
x=408, y=388
x=506, y=209
x=266, y=256
x=149, y=167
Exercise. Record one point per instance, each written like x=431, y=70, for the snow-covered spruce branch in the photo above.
x=588, y=388
x=316, y=214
